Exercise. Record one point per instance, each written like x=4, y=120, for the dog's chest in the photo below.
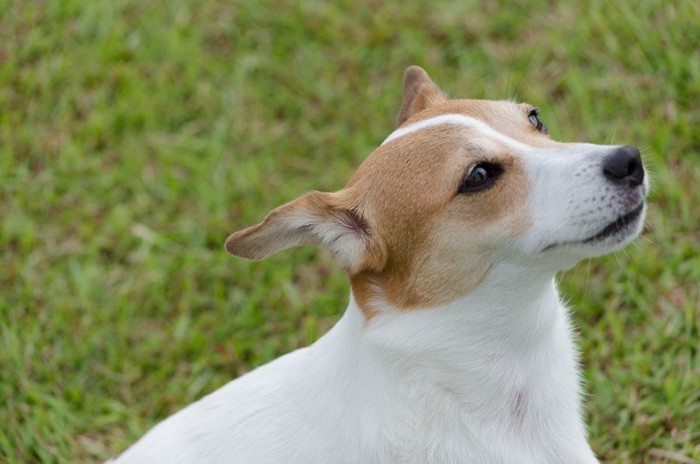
x=424, y=422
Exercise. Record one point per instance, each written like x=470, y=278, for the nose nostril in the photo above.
x=634, y=167
x=624, y=166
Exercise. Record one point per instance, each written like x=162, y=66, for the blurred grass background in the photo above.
x=135, y=135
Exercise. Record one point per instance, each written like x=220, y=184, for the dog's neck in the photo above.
x=502, y=356
x=514, y=312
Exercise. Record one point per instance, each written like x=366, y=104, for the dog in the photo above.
x=455, y=346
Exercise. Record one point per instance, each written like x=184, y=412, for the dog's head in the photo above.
x=460, y=186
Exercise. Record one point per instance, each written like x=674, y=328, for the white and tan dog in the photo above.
x=455, y=346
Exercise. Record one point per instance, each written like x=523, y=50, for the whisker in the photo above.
x=617, y=258
x=517, y=93
x=588, y=275
x=649, y=240
x=508, y=96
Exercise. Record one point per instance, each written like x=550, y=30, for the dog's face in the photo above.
x=460, y=186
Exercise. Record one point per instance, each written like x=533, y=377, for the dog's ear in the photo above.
x=419, y=93
x=316, y=218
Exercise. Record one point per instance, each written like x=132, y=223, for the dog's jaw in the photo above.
x=616, y=234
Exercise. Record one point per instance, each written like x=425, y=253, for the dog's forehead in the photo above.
x=503, y=121
x=490, y=111
x=444, y=137
x=429, y=153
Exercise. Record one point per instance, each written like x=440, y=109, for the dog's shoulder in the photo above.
x=230, y=422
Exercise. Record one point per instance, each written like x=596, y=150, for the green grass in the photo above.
x=136, y=134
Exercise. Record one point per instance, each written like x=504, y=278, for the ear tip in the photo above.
x=230, y=245
x=235, y=246
x=414, y=68
x=414, y=73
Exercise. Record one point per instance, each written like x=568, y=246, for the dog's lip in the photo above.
x=618, y=225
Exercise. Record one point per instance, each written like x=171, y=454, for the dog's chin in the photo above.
x=611, y=237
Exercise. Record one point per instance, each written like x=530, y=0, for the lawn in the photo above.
x=135, y=135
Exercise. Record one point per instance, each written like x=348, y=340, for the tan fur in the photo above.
x=419, y=93
x=423, y=243
x=439, y=244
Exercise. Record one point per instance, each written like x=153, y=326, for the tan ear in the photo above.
x=419, y=93
x=313, y=219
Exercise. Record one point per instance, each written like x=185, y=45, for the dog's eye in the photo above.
x=479, y=177
x=535, y=121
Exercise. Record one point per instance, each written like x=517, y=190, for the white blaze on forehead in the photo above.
x=460, y=120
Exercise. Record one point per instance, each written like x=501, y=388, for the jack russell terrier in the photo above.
x=455, y=346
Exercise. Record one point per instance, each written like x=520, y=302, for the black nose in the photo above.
x=624, y=166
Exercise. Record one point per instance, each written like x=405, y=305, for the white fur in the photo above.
x=459, y=120
x=489, y=378
x=393, y=390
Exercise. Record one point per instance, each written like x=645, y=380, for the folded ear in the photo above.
x=419, y=93
x=313, y=219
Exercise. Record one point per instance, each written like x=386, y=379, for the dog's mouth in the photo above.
x=620, y=228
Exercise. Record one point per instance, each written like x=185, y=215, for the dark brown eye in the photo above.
x=479, y=177
x=535, y=121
